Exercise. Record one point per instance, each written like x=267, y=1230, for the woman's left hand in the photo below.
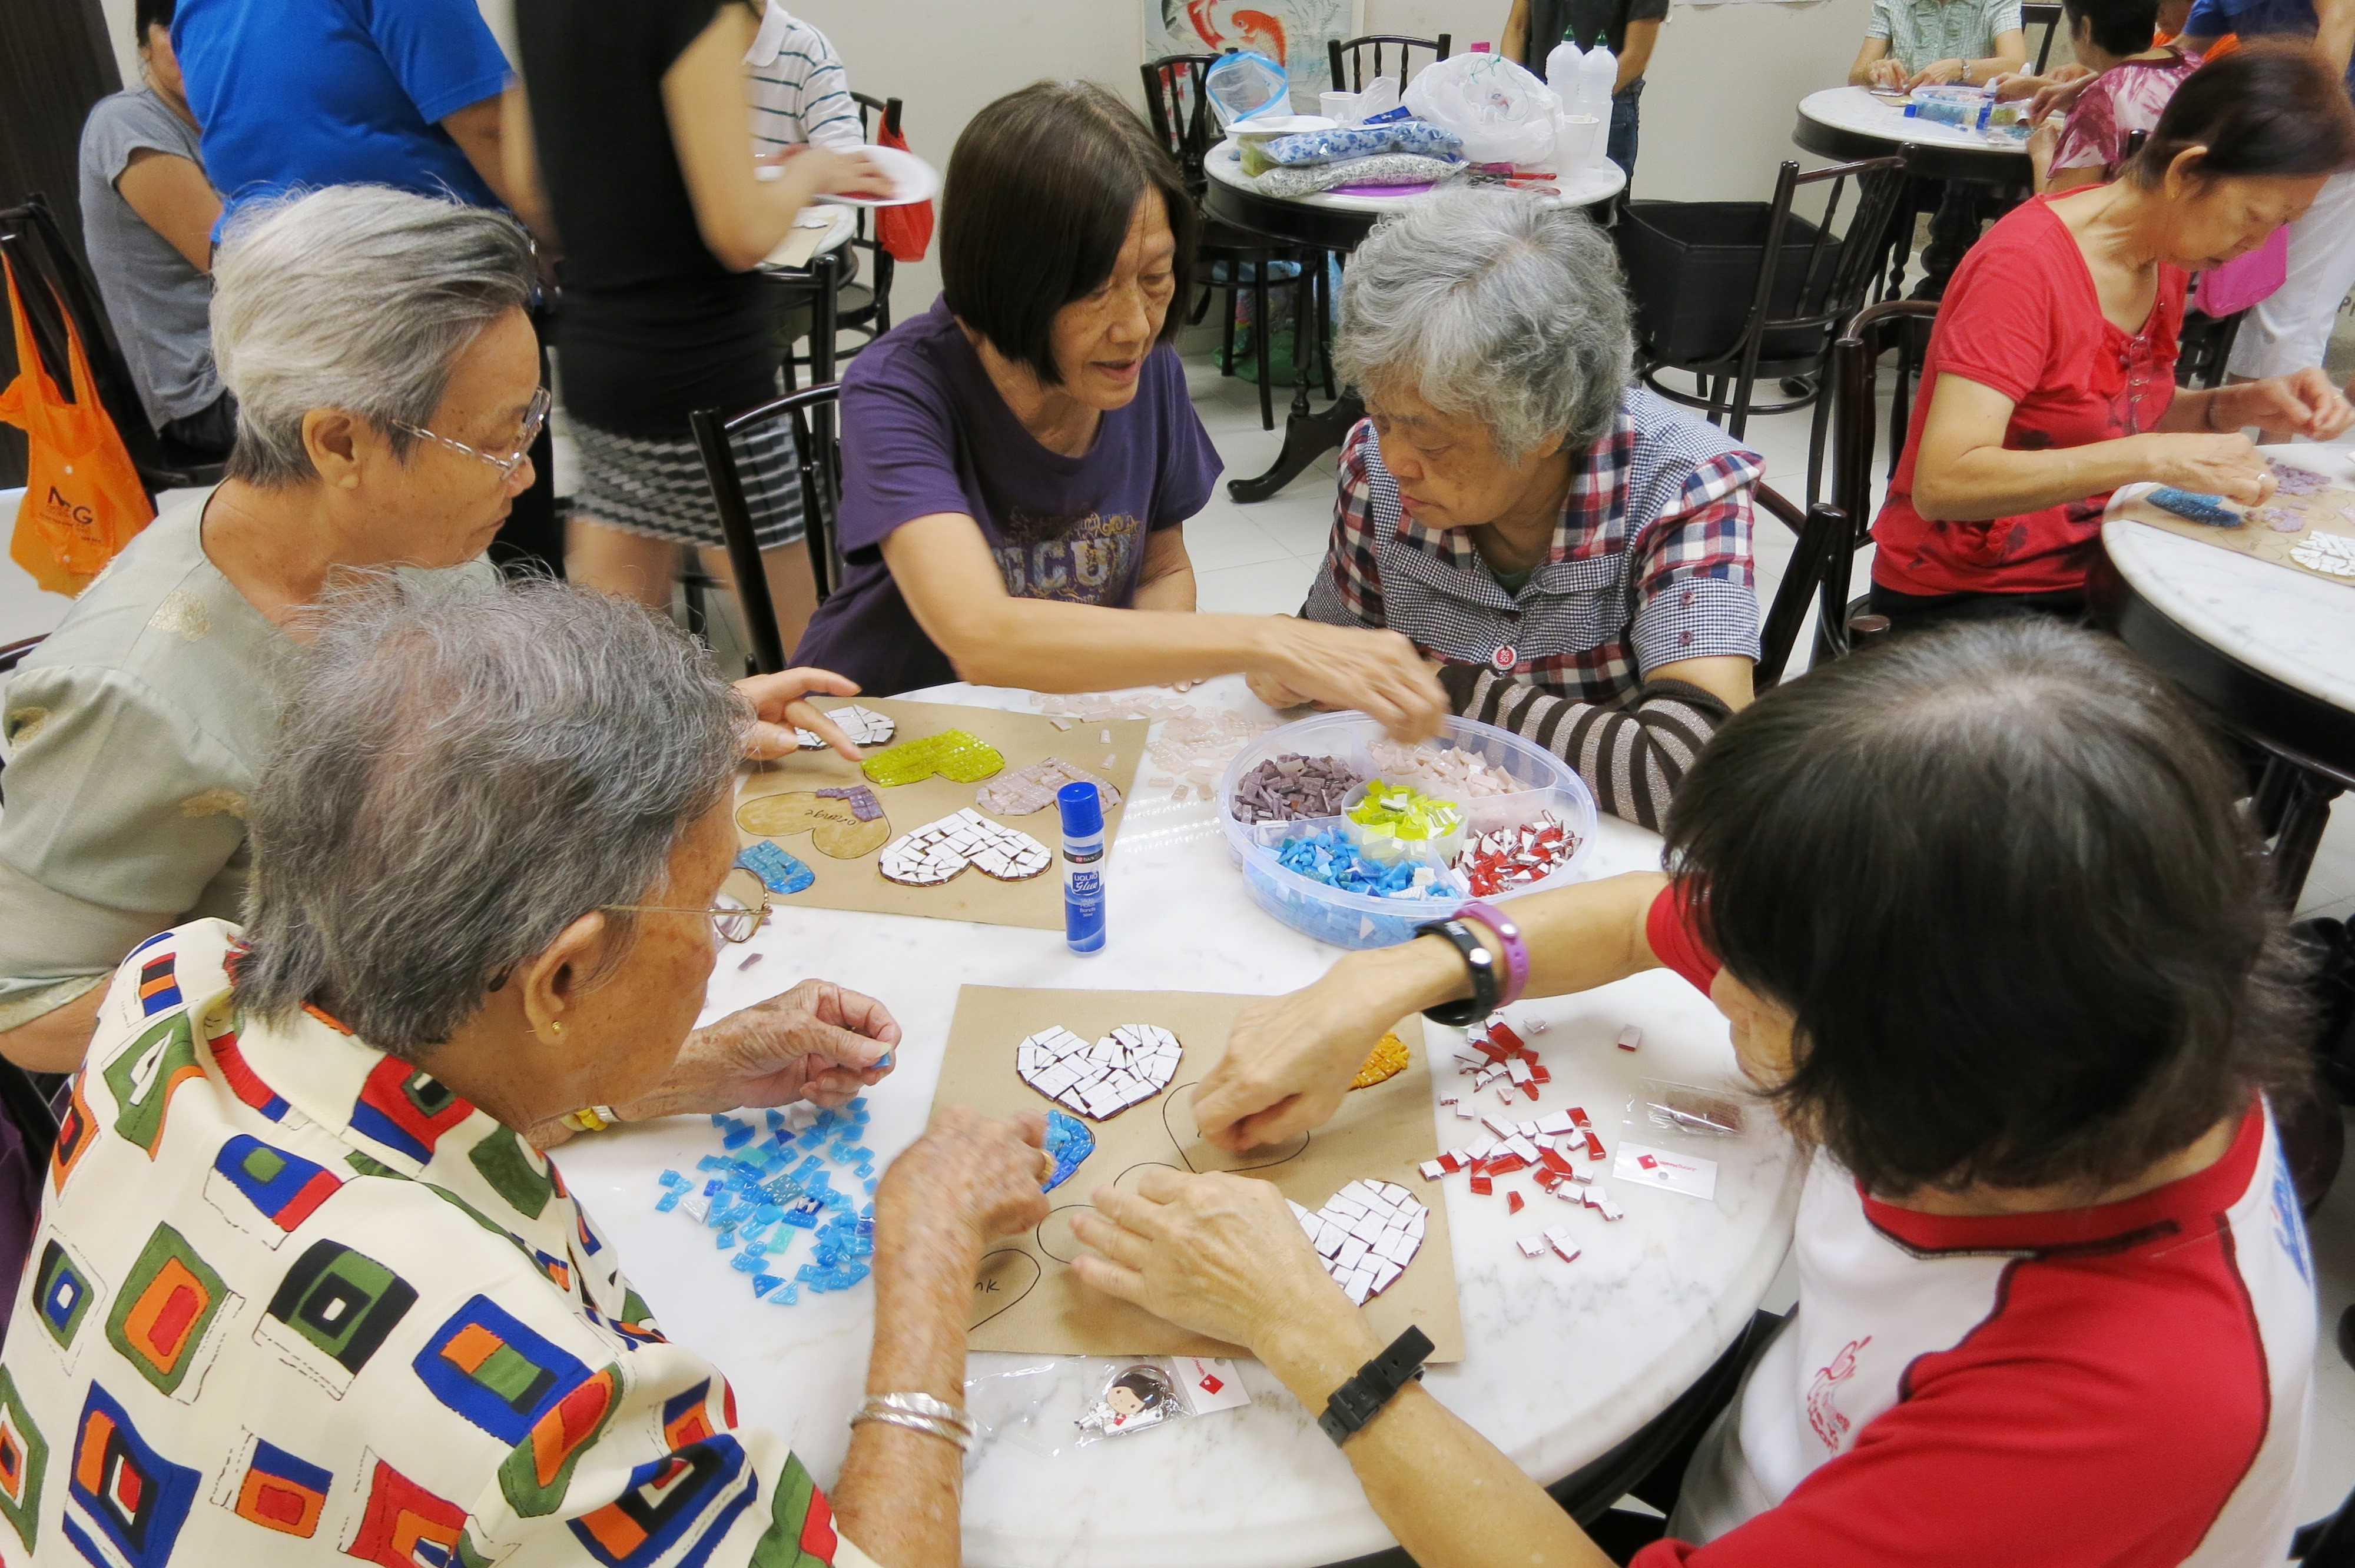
x=2304, y=402
x=1220, y=1255
x=779, y=704
x=817, y=1042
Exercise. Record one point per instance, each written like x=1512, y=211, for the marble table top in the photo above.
x=1590, y=187
x=1855, y=108
x=2295, y=627
x=1565, y=1360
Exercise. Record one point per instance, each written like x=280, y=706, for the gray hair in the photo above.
x=353, y=297
x=1496, y=304
x=457, y=779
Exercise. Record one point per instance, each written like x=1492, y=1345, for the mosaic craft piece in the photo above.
x=778, y=871
x=1190, y=745
x=1126, y=1068
x=1286, y=789
x=1032, y=788
x=1367, y=1233
x=1515, y=857
x=1068, y=1142
x=2331, y=554
x=1387, y=1060
x=769, y=1183
x=937, y=851
x=1403, y=813
x=862, y=727
x=835, y=827
x=1449, y=772
x=2296, y=481
x=859, y=798
x=1328, y=856
x=955, y=754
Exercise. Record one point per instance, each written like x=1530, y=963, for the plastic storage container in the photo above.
x=1354, y=920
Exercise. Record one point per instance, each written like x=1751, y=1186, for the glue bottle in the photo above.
x=1083, y=846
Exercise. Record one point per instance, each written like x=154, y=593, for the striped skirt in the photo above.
x=660, y=487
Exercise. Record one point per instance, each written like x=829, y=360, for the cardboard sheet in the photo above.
x=2273, y=531
x=855, y=884
x=1028, y=1301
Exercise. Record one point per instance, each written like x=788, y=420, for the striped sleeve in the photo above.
x=1696, y=594
x=1347, y=588
x=801, y=93
x=1634, y=758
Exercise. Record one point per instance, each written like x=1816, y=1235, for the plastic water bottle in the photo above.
x=1561, y=74
x=1083, y=846
x=1597, y=74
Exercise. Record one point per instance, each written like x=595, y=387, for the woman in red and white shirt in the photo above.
x=2056, y=1299
x=2049, y=379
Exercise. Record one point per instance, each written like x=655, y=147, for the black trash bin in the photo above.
x=1693, y=272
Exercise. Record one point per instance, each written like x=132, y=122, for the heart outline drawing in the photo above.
x=1278, y=1154
x=982, y=1276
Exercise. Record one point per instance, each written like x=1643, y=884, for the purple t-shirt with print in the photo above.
x=924, y=431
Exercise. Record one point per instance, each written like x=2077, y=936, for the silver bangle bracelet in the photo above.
x=920, y=1413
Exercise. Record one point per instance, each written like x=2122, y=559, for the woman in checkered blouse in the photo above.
x=1573, y=550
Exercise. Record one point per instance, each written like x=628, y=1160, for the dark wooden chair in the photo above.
x=809, y=418
x=1226, y=259
x=1351, y=52
x=55, y=289
x=2329, y=1542
x=1819, y=535
x=1803, y=292
x=1840, y=621
x=2044, y=13
x=860, y=306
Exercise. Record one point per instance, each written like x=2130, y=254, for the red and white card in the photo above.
x=1211, y=1382
x=1671, y=1173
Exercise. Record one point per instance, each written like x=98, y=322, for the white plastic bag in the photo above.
x=1505, y=114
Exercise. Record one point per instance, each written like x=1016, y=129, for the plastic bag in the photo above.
x=1244, y=84
x=1306, y=147
x=1503, y=115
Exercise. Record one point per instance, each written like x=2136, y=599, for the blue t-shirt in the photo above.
x=334, y=92
x=924, y=430
x=2256, y=19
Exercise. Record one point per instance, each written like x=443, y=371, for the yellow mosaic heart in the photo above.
x=955, y=754
x=834, y=825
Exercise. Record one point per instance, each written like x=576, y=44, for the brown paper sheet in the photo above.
x=2330, y=510
x=1023, y=738
x=1028, y=1301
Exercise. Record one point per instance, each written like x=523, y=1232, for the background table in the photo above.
x=1845, y=122
x=2270, y=649
x=1566, y=1360
x=1337, y=223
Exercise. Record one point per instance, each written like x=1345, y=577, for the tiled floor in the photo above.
x=1259, y=559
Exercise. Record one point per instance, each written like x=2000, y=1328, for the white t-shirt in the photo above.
x=794, y=83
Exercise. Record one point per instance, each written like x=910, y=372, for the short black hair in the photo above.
x=2269, y=108
x=146, y=13
x=2119, y=26
x=1041, y=188
x=1997, y=874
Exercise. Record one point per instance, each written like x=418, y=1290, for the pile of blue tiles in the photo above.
x=765, y=1185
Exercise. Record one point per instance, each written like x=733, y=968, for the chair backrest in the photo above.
x=1856, y=360
x=874, y=113
x=1351, y=53
x=748, y=445
x=55, y=288
x=1819, y=535
x=2035, y=13
x=1180, y=111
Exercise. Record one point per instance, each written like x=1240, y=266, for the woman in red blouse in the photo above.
x=2049, y=376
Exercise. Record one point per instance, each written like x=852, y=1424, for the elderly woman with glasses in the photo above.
x=1573, y=550
x=314, y=1290
x=387, y=390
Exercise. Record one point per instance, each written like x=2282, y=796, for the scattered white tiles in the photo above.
x=931, y=854
x=863, y=726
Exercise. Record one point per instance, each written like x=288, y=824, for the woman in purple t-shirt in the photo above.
x=1020, y=461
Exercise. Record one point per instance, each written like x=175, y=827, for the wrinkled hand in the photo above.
x=1289, y=1063
x=2060, y=91
x=1220, y=1255
x=781, y=706
x=1274, y=693
x=2227, y=465
x=817, y=1042
x=1886, y=74
x=1377, y=672
x=969, y=1179
x=2303, y=402
x=1937, y=73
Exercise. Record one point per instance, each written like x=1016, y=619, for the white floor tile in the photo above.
x=1272, y=587
x=1223, y=535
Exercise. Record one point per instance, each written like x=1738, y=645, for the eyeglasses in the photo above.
x=534, y=418
x=734, y=921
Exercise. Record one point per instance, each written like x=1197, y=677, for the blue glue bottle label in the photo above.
x=1083, y=845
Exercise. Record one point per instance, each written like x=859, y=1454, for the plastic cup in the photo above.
x=1339, y=106
x=1577, y=139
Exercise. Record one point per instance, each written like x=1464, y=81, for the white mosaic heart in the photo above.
x=2330, y=552
x=1367, y=1233
x=862, y=727
x=931, y=854
x=1126, y=1068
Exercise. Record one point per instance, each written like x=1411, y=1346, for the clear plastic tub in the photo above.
x=1355, y=920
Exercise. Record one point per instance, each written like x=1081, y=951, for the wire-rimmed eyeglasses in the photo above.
x=535, y=415
x=734, y=920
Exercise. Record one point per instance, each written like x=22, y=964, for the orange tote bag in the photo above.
x=83, y=501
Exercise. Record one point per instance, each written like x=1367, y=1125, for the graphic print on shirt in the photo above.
x=2289, y=1221
x=263, y=1484
x=24, y=1461
x=1074, y=560
x=1830, y=1426
x=331, y=1311
x=165, y=1315
x=122, y=1489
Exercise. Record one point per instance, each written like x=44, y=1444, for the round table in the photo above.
x=1565, y=1362
x=2269, y=648
x=1326, y=221
x=1846, y=123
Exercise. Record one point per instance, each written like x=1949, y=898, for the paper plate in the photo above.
x=913, y=180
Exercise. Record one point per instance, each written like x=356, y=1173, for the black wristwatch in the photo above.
x=1480, y=958
x=1361, y=1398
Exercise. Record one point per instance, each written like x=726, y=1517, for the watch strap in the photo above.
x=1361, y=1398
x=1516, y=978
x=1478, y=950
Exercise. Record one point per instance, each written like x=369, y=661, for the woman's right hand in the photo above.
x=1885, y=74
x=1377, y=672
x=2226, y=465
x=1289, y=1062
x=967, y=1182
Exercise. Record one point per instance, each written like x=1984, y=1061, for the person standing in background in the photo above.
x=147, y=215
x=795, y=84
x=1627, y=27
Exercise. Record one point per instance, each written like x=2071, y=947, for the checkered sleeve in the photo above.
x=1696, y=594
x=1347, y=588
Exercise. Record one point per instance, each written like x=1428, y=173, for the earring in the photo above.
x=557, y=1030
